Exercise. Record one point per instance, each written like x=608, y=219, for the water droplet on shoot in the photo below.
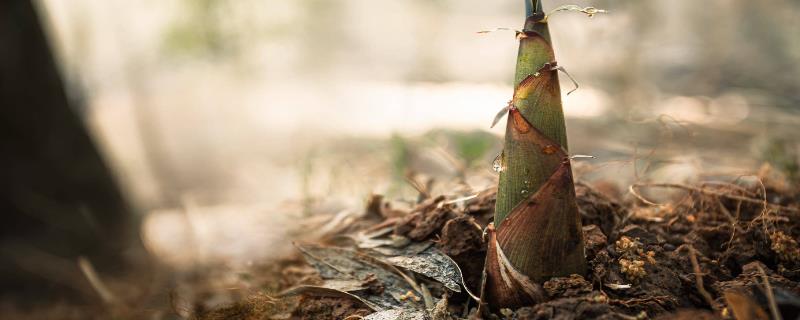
x=497, y=164
x=497, y=167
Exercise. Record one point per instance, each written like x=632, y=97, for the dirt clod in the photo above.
x=427, y=220
x=572, y=286
x=597, y=209
x=640, y=234
x=254, y=307
x=751, y=280
x=592, y=306
x=461, y=235
x=462, y=240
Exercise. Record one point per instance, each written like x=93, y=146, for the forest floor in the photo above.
x=716, y=251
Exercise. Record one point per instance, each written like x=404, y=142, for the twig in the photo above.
x=698, y=277
x=409, y=279
x=641, y=315
x=498, y=29
x=388, y=223
x=459, y=165
x=94, y=280
x=636, y=157
x=729, y=185
x=734, y=221
x=764, y=211
x=636, y=301
x=419, y=186
x=426, y=296
x=482, y=305
x=773, y=307
x=462, y=199
x=634, y=191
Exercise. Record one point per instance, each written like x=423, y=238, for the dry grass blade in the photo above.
x=773, y=306
x=94, y=279
x=499, y=116
x=498, y=29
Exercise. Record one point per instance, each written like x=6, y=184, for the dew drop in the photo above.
x=497, y=164
x=497, y=167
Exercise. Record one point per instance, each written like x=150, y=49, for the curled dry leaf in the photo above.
x=382, y=287
x=367, y=240
x=431, y=263
x=427, y=260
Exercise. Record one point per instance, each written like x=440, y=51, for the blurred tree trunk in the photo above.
x=58, y=199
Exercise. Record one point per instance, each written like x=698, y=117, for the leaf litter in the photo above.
x=380, y=287
x=705, y=262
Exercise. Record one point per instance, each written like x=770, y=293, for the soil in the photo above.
x=716, y=251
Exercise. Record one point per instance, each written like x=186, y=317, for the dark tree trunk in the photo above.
x=58, y=199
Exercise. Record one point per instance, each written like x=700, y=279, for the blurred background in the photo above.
x=215, y=124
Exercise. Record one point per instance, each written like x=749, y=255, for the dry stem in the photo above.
x=698, y=277
x=634, y=191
